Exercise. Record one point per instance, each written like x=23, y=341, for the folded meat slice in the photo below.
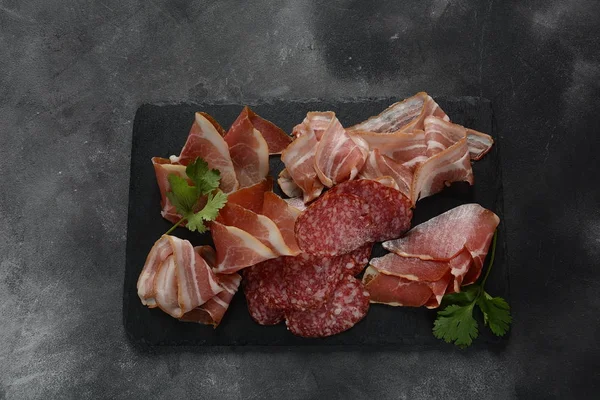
x=251, y=197
x=287, y=184
x=297, y=203
x=204, y=140
x=212, y=312
x=441, y=134
x=443, y=237
x=284, y=216
x=406, y=116
x=176, y=278
x=379, y=165
x=396, y=291
x=451, y=165
x=299, y=160
x=249, y=151
x=237, y=249
x=163, y=168
x=411, y=268
x=315, y=123
x=338, y=157
x=276, y=138
x=406, y=148
x=259, y=226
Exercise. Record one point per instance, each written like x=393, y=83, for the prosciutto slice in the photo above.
x=299, y=160
x=237, y=249
x=284, y=216
x=175, y=278
x=212, y=312
x=163, y=168
x=276, y=138
x=379, y=165
x=249, y=151
x=411, y=268
x=251, y=197
x=259, y=226
x=338, y=157
x=204, y=140
x=406, y=116
x=441, y=134
x=443, y=237
x=451, y=165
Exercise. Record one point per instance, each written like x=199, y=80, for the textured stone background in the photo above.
x=72, y=74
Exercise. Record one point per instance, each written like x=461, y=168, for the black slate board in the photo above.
x=162, y=130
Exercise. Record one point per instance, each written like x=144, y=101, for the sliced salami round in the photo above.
x=389, y=209
x=263, y=281
x=347, y=305
x=335, y=224
x=310, y=280
x=355, y=262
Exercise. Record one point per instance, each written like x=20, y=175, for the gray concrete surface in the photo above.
x=72, y=74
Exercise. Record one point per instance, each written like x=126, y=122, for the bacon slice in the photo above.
x=276, y=138
x=284, y=216
x=338, y=157
x=205, y=141
x=315, y=123
x=444, y=236
x=212, y=312
x=237, y=249
x=249, y=151
x=406, y=115
x=441, y=134
x=163, y=168
x=451, y=165
x=406, y=148
x=176, y=278
x=259, y=226
x=379, y=165
x=299, y=160
x=251, y=197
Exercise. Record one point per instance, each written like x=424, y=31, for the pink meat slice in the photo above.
x=389, y=209
x=441, y=134
x=379, y=165
x=335, y=224
x=276, y=138
x=251, y=198
x=162, y=169
x=444, y=236
x=347, y=305
x=249, y=151
x=284, y=216
x=410, y=268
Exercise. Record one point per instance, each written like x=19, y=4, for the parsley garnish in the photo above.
x=185, y=197
x=455, y=323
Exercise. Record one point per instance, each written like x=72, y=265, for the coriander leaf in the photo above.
x=215, y=201
x=182, y=195
x=496, y=313
x=205, y=180
x=456, y=324
x=466, y=296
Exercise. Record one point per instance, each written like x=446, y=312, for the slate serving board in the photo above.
x=161, y=130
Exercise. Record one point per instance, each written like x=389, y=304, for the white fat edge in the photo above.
x=392, y=303
x=146, y=274
x=275, y=237
x=434, y=144
x=176, y=169
x=263, y=150
x=174, y=159
x=165, y=281
x=211, y=134
x=220, y=302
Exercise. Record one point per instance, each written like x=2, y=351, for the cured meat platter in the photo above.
x=161, y=129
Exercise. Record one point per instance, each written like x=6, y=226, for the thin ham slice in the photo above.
x=441, y=134
x=299, y=160
x=284, y=216
x=212, y=312
x=251, y=197
x=338, y=157
x=259, y=226
x=237, y=249
x=204, y=140
x=379, y=165
x=176, y=278
x=287, y=184
x=277, y=140
x=410, y=268
x=406, y=148
x=443, y=237
x=315, y=123
x=459, y=267
x=163, y=168
x=406, y=116
x=249, y=151
x=214, y=123
x=450, y=165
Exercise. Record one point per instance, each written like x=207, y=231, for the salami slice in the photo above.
x=334, y=224
x=389, y=209
x=347, y=305
x=310, y=280
x=355, y=262
x=261, y=281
